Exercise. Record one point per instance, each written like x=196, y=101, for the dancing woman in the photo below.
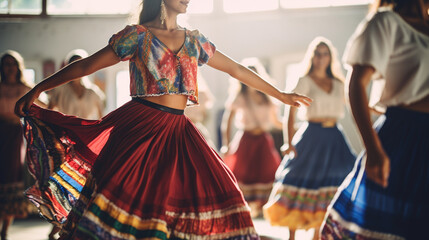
x=386, y=196
x=143, y=171
x=318, y=157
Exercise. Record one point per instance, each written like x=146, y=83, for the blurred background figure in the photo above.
x=200, y=114
x=13, y=86
x=318, y=157
x=79, y=97
x=251, y=155
x=387, y=194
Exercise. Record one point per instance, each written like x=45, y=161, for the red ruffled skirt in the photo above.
x=12, y=199
x=254, y=164
x=142, y=172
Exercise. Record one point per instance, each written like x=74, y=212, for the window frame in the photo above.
x=44, y=12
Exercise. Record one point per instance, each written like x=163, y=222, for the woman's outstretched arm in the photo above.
x=101, y=59
x=224, y=63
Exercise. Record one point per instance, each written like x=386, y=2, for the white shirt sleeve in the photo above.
x=302, y=86
x=371, y=44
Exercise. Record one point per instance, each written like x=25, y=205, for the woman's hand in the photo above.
x=224, y=150
x=294, y=99
x=377, y=167
x=24, y=103
x=288, y=149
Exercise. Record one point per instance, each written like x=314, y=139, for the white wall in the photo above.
x=277, y=37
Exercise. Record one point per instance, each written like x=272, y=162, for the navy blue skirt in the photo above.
x=306, y=184
x=364, y=210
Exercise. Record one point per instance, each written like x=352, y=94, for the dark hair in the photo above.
x=20, y=63
x=150, y=10
x=396, y=4
x=244, y=89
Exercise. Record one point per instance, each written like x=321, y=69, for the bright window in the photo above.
x=237, y=6
x=122, y=87
x=30, y=75
x=200, y=6
x=20, y=6
x=59, y=7
x=320, y=3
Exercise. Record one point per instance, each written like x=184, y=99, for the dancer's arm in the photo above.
x=101, y=59
x=223, y=63
x=227, y=119
x=289, y=131
x=377, y=164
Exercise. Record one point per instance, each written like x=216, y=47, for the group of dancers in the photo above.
x=144, y=171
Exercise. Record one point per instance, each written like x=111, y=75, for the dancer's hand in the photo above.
x=24, y=103
x=287, y=149
x=224, y=150
x=378, y=167
x=295, y=99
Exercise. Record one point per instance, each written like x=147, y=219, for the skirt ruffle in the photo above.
x=363, y=209
x=139, y=173
x=306, y=184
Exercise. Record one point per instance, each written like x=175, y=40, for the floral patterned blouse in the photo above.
x=155, y=69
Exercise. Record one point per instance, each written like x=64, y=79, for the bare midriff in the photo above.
x=171, y=101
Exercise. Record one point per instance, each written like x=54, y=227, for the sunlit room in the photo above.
x=280, y=44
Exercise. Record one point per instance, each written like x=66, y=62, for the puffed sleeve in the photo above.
x=302, y=86
x=124, y=43
x=372, y=43
x=206, y=48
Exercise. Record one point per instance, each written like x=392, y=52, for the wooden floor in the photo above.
x=35, y=228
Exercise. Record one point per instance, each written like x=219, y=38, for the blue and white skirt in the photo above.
x=306, y=184
x=363, y=209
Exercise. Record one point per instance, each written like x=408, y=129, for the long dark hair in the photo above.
x=19, y=61
x=397, y=5
x=244, y=89
x=150, y=10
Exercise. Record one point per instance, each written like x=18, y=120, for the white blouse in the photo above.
x=399, y=54
x=250, y=115
x=66, y=101
x=324, y=105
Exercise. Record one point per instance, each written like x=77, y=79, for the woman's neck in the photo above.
x=10, y=81
x=170, y=23
x=318, y=73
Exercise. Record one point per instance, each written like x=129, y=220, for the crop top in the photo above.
x=155, y=69
x=399, y=55
x=325, y=105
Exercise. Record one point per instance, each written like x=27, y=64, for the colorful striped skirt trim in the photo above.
x=298, y=208
x=306, y=184
x=139, y=173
